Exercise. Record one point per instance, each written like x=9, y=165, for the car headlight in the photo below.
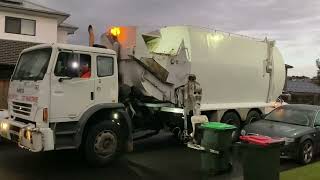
x=243, y=132
x=288, y=140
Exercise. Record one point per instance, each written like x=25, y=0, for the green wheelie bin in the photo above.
x=261, y=157
x=217, y=141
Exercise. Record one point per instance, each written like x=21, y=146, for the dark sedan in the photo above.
x=299, y=125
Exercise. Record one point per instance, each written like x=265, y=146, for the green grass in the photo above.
x=309, y=172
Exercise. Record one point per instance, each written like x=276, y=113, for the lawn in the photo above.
x=309, y=172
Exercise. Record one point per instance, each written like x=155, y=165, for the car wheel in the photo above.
x=103, y=143
x=306, y=152
x=253, y=116
x=233, y=119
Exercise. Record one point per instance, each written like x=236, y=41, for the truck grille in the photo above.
x=14, y=133
x=14, y=138
x=21, y=108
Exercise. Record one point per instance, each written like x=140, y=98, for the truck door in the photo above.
x=72, y=85
x=106, y=85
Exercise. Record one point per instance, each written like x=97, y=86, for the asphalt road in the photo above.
x=159, y=157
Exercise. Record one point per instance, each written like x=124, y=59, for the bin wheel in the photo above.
x=253, y=116
x=103, y=143
x=306, y=152
x=233, y=119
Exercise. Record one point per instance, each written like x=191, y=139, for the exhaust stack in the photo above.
x=91, y=36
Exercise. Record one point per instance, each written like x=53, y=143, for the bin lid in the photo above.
x=218, y=126
x=261, y=140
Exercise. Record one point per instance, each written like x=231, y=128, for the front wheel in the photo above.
x=103, y=143
x=306, y=152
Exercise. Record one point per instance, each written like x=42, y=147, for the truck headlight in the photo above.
x=288, y=140
x=4, y=126
x=28, y=135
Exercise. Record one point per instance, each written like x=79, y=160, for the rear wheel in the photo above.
x=306, y=152
x=103, y=143
x=253, y=116
x=233, y=119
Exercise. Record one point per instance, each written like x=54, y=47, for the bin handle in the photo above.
x=200, y=148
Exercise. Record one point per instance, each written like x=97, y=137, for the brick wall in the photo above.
x=4, y=86
x=10, y=50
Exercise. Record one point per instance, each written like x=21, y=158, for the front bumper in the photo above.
x=27, y=135
x=289, y=151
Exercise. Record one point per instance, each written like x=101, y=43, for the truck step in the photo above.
x=144, y=134
x=66, y=133
x=65, y=147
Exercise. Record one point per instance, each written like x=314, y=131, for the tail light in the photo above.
x=45, y=115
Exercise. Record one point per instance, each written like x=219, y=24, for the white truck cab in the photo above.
x=54, y=84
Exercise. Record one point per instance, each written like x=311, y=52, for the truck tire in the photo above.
x=103, y=143
x=233, y=119
x=253, y=116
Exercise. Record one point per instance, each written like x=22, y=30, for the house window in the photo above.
x=20, y=26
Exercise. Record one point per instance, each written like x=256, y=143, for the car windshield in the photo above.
x=292, y=115
x=32, y=65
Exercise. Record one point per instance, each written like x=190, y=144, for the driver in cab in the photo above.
x=85, y=71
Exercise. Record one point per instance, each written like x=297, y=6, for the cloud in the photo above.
x=301, y=20
x=293, y=23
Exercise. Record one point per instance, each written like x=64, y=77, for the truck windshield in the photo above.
x=33, y=65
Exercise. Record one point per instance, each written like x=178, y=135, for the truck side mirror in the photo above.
x=64, y=78
x=69, y=74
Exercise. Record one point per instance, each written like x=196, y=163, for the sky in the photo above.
x=294, y=24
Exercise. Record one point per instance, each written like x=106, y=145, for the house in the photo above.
x=303, y=90
x=287, y=66
x=24, y=24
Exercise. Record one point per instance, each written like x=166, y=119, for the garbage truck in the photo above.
x=133, y=84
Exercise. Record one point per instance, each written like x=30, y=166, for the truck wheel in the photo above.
x=306, y=152
x=233, y=119
x=253, y=116
x=103, y=143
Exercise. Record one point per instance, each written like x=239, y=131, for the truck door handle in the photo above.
x=92, y=96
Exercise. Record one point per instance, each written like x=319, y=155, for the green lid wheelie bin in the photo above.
x=261, y=157
x=217, y=141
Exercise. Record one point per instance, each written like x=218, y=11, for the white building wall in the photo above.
x=62, y=36
x=46, y=29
